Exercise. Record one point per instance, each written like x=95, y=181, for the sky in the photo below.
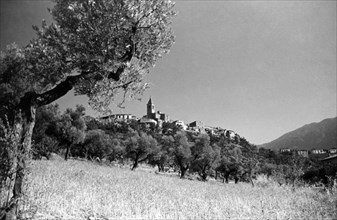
x=260, y=68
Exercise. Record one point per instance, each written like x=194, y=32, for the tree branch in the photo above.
x=58, y=91
x=127, y=56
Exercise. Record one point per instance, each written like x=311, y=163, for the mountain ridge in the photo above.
x=316, y=135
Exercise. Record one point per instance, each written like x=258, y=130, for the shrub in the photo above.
x=320, y=176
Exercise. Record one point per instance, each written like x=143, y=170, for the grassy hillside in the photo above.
x=82, y=190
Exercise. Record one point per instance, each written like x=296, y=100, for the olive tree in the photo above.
x=206, y=156
x=181, y=152
x=99, y=48
x=95, y=145
x=140, y=147
x=70, y=129
x=161, y=156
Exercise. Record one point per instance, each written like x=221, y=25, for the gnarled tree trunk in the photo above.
x=23, y=128
x=24, y=122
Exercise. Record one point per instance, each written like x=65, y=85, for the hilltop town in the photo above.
x=156, y=119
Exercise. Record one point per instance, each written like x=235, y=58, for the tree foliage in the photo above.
x=109, y=45
x=44, y=145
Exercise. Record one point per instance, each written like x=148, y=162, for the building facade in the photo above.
x=197, y=126
x=117, y=117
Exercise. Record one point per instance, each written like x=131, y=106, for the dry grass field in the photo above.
x=82, y=190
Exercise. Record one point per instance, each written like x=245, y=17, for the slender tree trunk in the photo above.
x=226, y=176
x=250, y=176
x=135, y=165
x=86, y=153
x=183, y=171
x=251, y=180
x=204, y=177
x=67, y=151
x=160, y=167
x=203, y=173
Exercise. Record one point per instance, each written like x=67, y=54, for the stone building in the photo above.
x=333, y=151
x=117, y=117
x=285, y=150
x=231, y=135
x=319, y=151
x=148, y=122
x=151, y=114
x=197, y=126
x=303, y=153
x=180, y=123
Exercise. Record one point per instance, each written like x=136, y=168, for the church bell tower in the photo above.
x=150, y=108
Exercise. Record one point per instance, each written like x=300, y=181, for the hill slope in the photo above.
x=83, y=190
x=321, y=135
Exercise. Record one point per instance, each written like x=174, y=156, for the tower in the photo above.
x=150, y=108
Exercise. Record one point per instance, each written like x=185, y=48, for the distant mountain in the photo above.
x=321, y=135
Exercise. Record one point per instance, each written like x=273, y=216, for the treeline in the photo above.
x=73, y=134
